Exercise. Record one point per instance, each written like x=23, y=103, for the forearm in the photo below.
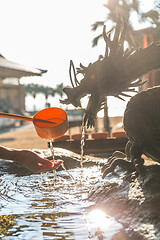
x=9, y=153
x=17, y=155
x=29, y=159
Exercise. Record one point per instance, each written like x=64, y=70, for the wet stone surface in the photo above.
x=132, y=200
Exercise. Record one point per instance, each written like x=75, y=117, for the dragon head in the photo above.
x=116, y=74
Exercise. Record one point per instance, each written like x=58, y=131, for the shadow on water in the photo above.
x=38, y=206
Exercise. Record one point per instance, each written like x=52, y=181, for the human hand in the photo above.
x=35, y=163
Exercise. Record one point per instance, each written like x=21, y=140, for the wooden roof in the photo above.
x=9, y=69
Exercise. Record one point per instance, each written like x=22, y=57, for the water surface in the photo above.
x=39, y=207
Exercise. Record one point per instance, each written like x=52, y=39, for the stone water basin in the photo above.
x=45, y=206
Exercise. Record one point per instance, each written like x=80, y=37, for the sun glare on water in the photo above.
x=97, y=218
x=101, y=224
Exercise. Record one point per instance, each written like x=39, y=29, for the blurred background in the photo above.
x=42, y=36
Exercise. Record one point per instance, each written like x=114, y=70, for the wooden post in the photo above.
x=107, y=127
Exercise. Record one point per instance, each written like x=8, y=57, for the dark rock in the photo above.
x=133, y=201
x=72, y=160
x=10, y=167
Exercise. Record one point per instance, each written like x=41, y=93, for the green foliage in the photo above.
x=125, y=9
x=34, y=89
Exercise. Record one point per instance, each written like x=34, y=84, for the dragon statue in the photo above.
x=117, y=74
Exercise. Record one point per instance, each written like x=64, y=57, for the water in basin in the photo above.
x=39, y=206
